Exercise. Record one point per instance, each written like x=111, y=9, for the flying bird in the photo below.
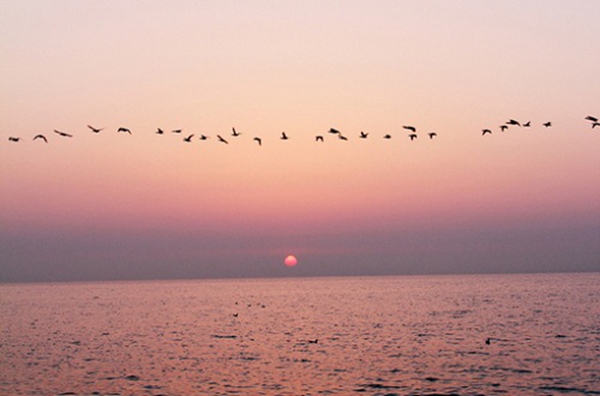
x=40, y=136
x=284, y=136
x=387, y=136
x=188, y=139
x=319, y=138
x=95, y=130
x=203, y=137
x=484, y=131
x=177, y=131
x=124, y=130
x=547, y=124
x=160, y=131
x=235, y=133
x=412, y=136
x=334, y=131
x=342, y=137
x=258, y=140
x=410, y=128
x=222, y=140
x=432, y=135
x=63, y=134
x=363, y=135
x=513, y=122
x=595, y=124
x=503, y=127
x=591, y=118
x=14, y=139
x=527, y=124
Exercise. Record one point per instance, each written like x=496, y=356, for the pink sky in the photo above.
x=150, y=202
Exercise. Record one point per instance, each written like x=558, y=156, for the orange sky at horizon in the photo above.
x=268, y=186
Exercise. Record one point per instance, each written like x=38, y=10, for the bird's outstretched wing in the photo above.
x=63, y=134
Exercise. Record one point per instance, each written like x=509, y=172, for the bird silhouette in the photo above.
x=547, y=124
x=284, y=136
x=387, y=136
x=334, y=131
x=410, y=128
x=235, y=133
x=432, y=135
x=14, y=139
x=527, y=124
x=40, y=136
x=342, y=137
x=203, y=137
x=591, y=118
x=412, y=136
x=177, y=131
x=222, y=140
x=124, y=130
x=595, y=124
x=160, y=131
x=363, y=135
x=503, y=127
x=258, y=140
x=63, y=134
x=484, y=131
x=188, y=139
x=95, y=130
x=513, y=122
x=319, y=138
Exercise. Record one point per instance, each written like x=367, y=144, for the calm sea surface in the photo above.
x=317, y=336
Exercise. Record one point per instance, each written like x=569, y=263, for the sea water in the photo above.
x=412, y=335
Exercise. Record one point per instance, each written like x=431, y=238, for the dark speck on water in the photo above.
x=416, y=335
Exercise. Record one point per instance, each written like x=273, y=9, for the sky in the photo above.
x=114, y=206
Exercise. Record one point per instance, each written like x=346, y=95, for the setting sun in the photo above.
x=290, y=261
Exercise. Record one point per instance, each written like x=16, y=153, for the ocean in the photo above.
x=533, y=334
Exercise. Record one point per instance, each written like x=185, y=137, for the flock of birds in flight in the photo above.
x=548, y=124
x=318, y=138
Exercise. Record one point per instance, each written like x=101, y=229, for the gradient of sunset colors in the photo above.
x=113, y=206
